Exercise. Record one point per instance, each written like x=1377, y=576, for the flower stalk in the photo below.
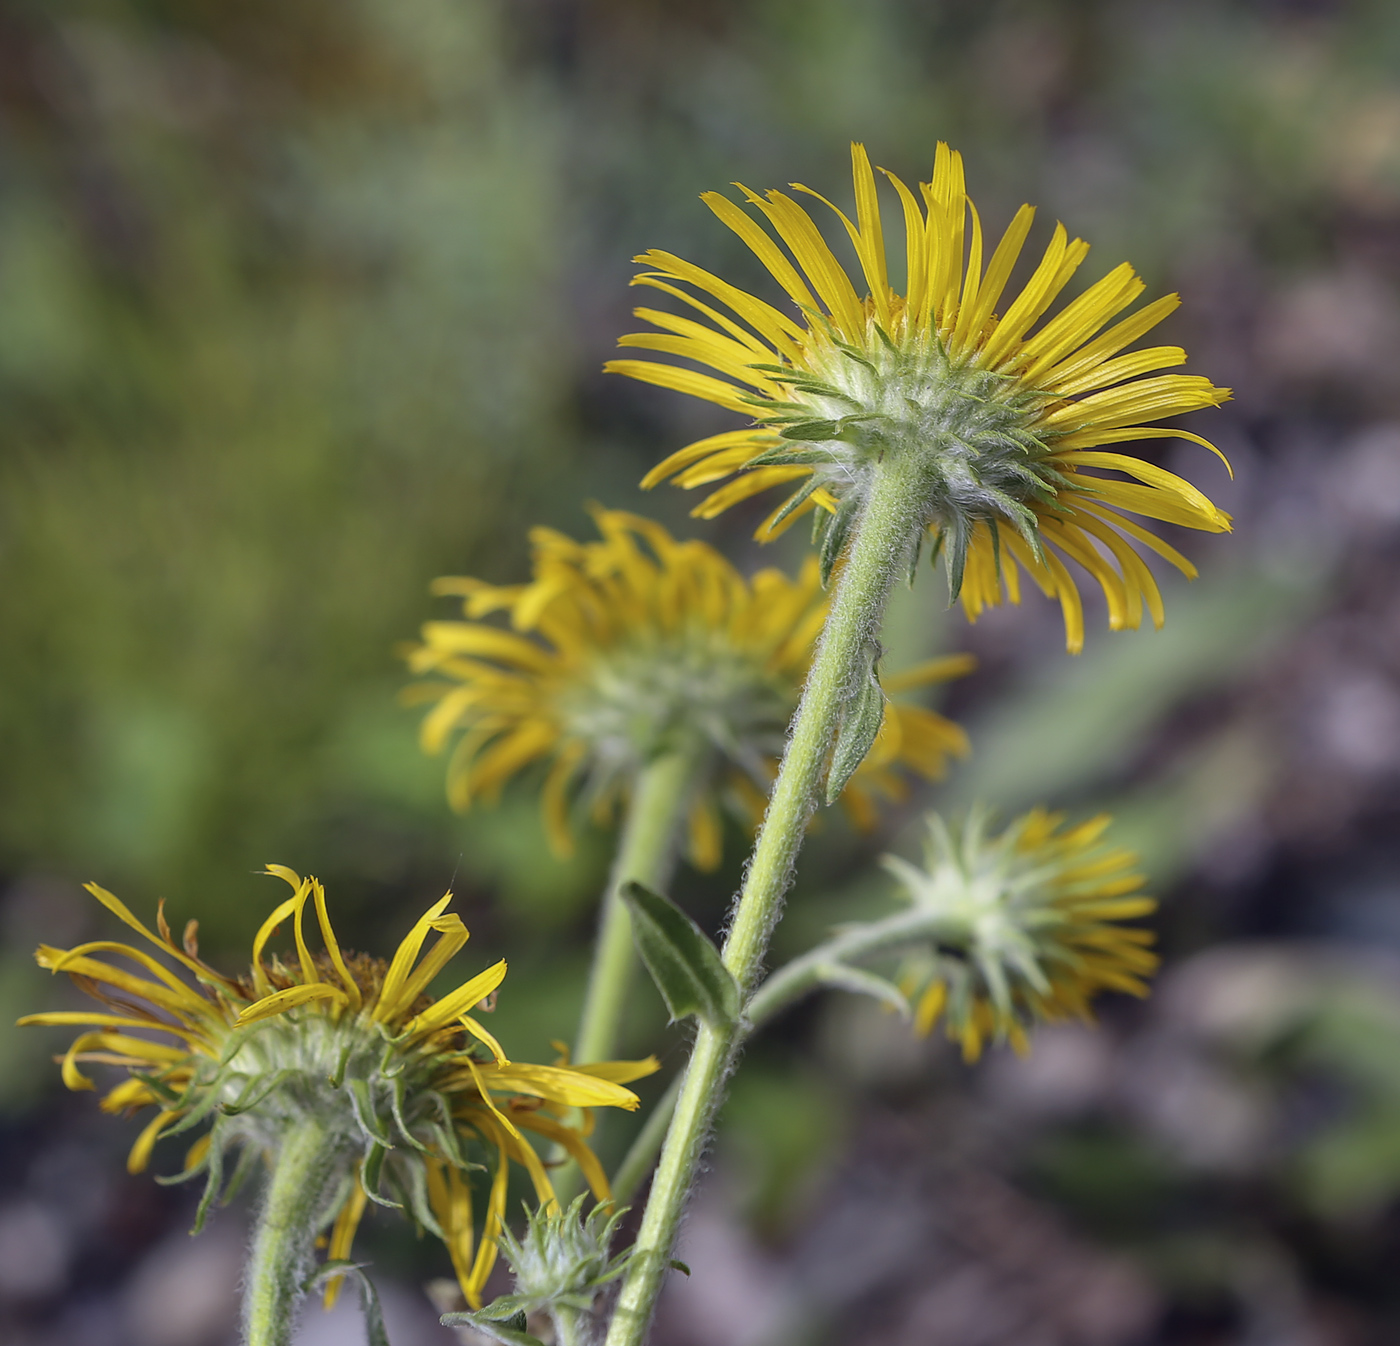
x=646, y=854
x=656, y=815
x=306, y=1172
x=882, y=540
x=637, y=1162
x=813, y=969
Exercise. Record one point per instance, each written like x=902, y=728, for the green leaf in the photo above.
x=371, y=1167
x=843, y=977
x=254, y=1092
x=798, y=498
x=917, y=553
x=860, y=723
x=363, y=1105
x=375, y=1333
x=215, y=1181
x=510, y=1330
x=790, y=458
x=811, y=432
x=837, y=530
x=683, y=963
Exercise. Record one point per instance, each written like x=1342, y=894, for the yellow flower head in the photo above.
x=1007, y=424
x=623, y=649
x=1024, y=926
x=413, y=1093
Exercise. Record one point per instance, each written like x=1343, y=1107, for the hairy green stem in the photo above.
x=646, y=854
x=788, y=984
x=639, y=1158
x=306, y=1168
x=889, y=524
x=793, y=980
x=572, y=1327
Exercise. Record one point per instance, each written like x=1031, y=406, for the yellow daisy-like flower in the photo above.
x=1007, y=424
x=410, y=1093
x=1024, y=926
x=639, y=644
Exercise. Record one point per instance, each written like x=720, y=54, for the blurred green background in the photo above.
x=304, y=303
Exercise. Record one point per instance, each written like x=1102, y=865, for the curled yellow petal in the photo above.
x=279, y=1002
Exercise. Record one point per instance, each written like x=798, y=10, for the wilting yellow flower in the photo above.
x=1023, y=926
x=413, y=1093
x=640, y=644
x=1008, y=424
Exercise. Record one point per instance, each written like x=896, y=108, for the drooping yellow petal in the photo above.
x=572, y=1087
x=343, y=1237
x=474, y=1027
x=569, y=1139
x=617, y=1072
x=140, y=1154
x=943, y=669
x=178, y=1001
x=449, y=1198
x=495, y=1218
x=279, y=1002
x=120, y=910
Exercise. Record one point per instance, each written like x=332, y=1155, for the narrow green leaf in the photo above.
x=915, y=556
x=371, y=1169
x=837, y=531
x=682, y=961
x=249, y=1158
x=398, y=1098
x=253, y=1093
x=811, y=432
x=375, y=1332
x=214, y=1184
x=843, y=977
x=860, y=723
x=790, y=458
x=511, y=1331
x=795, y=501
x=363, y=1105
x=337, y=1076
x=206, y=1105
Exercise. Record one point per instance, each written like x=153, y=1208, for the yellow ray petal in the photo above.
x=265, y=933
x=573, y=1087
x=343, y=1237
x=463, y=999
x=481, y=1035
x=119, y=909
x=279, y=1002
x=704, y=448
x=943, y=669
x=391, y=992
x=140, y=1154
x=618, y=1072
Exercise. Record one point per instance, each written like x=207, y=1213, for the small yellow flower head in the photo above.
x=414, y=1093
x=1006, y=419
x=1025, y=926
x=639, y=644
